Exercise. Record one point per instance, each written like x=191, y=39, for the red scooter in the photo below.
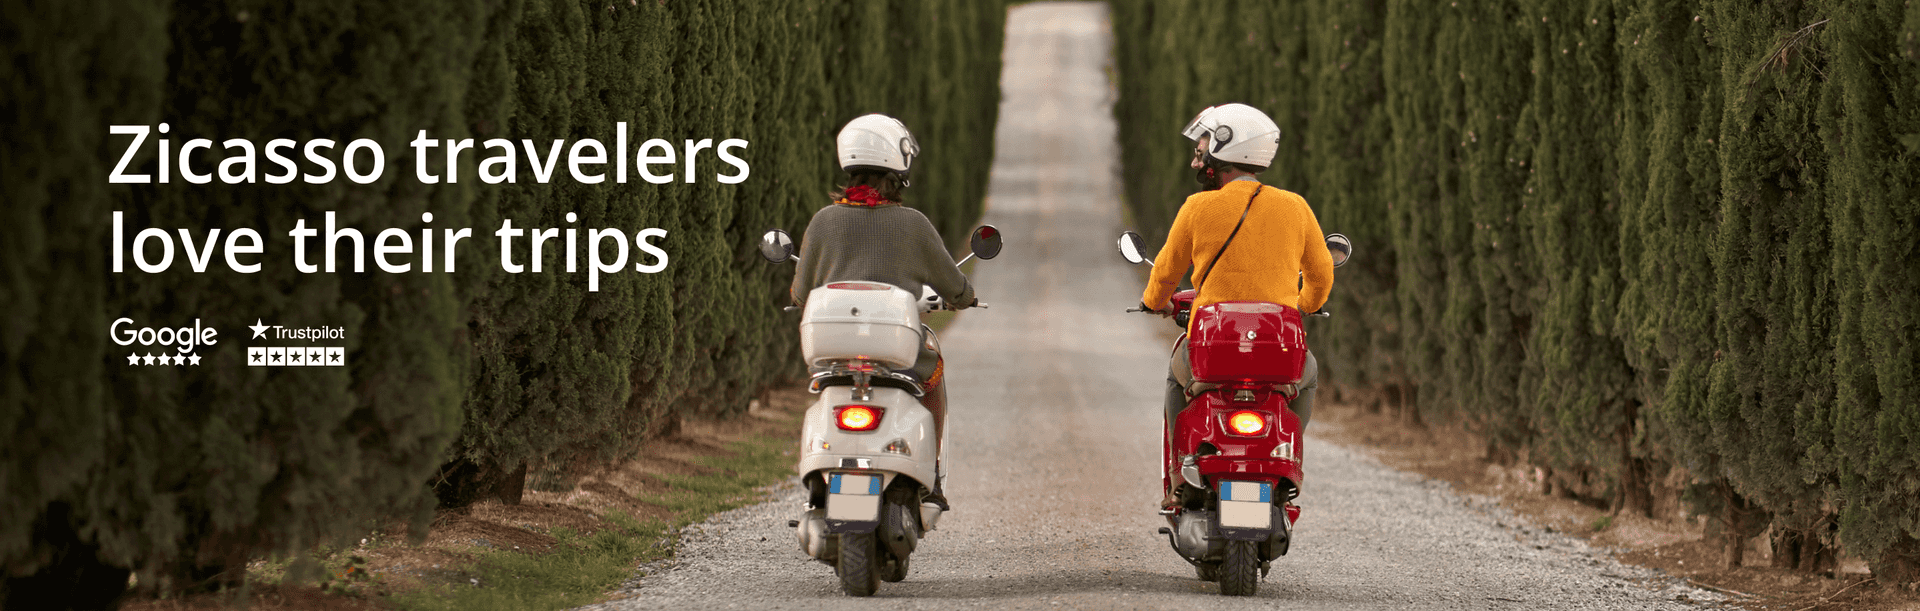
x=1236, y=446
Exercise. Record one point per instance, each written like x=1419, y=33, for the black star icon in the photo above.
x=259, y=356
x=336, y=357
x=293, y=356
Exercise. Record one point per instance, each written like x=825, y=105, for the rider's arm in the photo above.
x=938, y=267
x=1175, y=257
x=807, y=272
x=1316, y=264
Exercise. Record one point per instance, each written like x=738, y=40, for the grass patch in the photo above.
x=577, y=572
x=582, y=568
x=1602, y=523
x=754, y=463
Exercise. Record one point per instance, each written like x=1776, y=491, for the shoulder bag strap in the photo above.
x=1223, y=246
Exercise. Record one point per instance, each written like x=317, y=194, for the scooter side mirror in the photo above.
x=986, y=242
x=1133, y=248
x=777, y=247
x=1340, y=247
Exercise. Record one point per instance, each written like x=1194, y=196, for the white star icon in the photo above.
x=259, y=330
x=133, y=359
x=193, y=360
x=149, y=358
x=179, y=360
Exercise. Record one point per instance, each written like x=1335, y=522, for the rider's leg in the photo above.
x=930, y=369
x=1179, y=374
x=1302, y=404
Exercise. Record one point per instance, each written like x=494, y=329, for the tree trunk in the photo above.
x=1744, y=521
x=1636, y=494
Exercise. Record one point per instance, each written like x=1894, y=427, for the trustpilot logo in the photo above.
x=296, y=356
x=186, y=342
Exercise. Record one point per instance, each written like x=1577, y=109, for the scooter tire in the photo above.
x=1240, y=569
x=856, y=567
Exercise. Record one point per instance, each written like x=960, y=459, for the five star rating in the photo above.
x=163, y=359
x=311, y=356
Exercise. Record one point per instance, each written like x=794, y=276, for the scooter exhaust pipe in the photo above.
x=814, y=538
x=1196, y=538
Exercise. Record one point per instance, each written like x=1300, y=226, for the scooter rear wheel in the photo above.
x=856, y=567
x=1240, y=570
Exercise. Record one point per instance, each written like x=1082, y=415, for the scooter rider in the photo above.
x=1275, y=239
x=867, y=235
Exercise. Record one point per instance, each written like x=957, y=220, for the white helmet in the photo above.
x=1241, y=134
x=876, y=141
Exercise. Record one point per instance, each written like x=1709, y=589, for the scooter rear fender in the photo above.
x=904, y=424
x=1274, y=455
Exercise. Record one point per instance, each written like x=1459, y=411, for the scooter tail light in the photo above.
x=1247, y=423
x=858, y=417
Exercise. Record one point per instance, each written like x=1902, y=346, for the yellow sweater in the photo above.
x=1280, y=240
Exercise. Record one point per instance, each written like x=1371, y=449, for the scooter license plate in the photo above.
x=853, y=497
x=1246, y=504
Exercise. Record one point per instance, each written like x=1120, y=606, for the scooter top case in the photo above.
x=869, y=321
x=898, y=440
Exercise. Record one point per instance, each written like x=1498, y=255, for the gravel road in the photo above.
x=1055, y=394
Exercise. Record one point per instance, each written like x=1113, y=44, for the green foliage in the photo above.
x=186, y=472
x=1611, y=235
x=577, y=571
x=1872, y=130
x=581, y=568
x=81, y=66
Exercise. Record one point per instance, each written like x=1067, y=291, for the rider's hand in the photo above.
x=1163, y=313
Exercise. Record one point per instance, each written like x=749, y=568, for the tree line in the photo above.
x=458, y=385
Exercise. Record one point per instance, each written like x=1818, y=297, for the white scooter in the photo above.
x=868, y=455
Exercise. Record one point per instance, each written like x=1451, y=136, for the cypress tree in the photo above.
x=1581, y=384
x=73, y=69
x=1346, y=144
x=1875, y=419
x=1771, y=393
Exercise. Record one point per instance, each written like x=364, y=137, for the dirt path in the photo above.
x=1055, y=395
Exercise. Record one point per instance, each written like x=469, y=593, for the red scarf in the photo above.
x=862, y=196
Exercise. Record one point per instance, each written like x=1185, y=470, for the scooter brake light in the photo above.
x=857, y=417
x=1247, y=423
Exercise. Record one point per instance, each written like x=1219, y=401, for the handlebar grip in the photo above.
x=790, y=308
x=1136, y=310
x=1323, y=313
x=980, y=304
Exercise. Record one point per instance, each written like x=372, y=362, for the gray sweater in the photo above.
x=892, y=244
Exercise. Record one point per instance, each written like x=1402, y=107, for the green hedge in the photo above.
x=457, y=382
x=1617, y=238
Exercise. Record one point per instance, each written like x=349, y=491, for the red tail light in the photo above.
x=1247, y=423
x=858, y=417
